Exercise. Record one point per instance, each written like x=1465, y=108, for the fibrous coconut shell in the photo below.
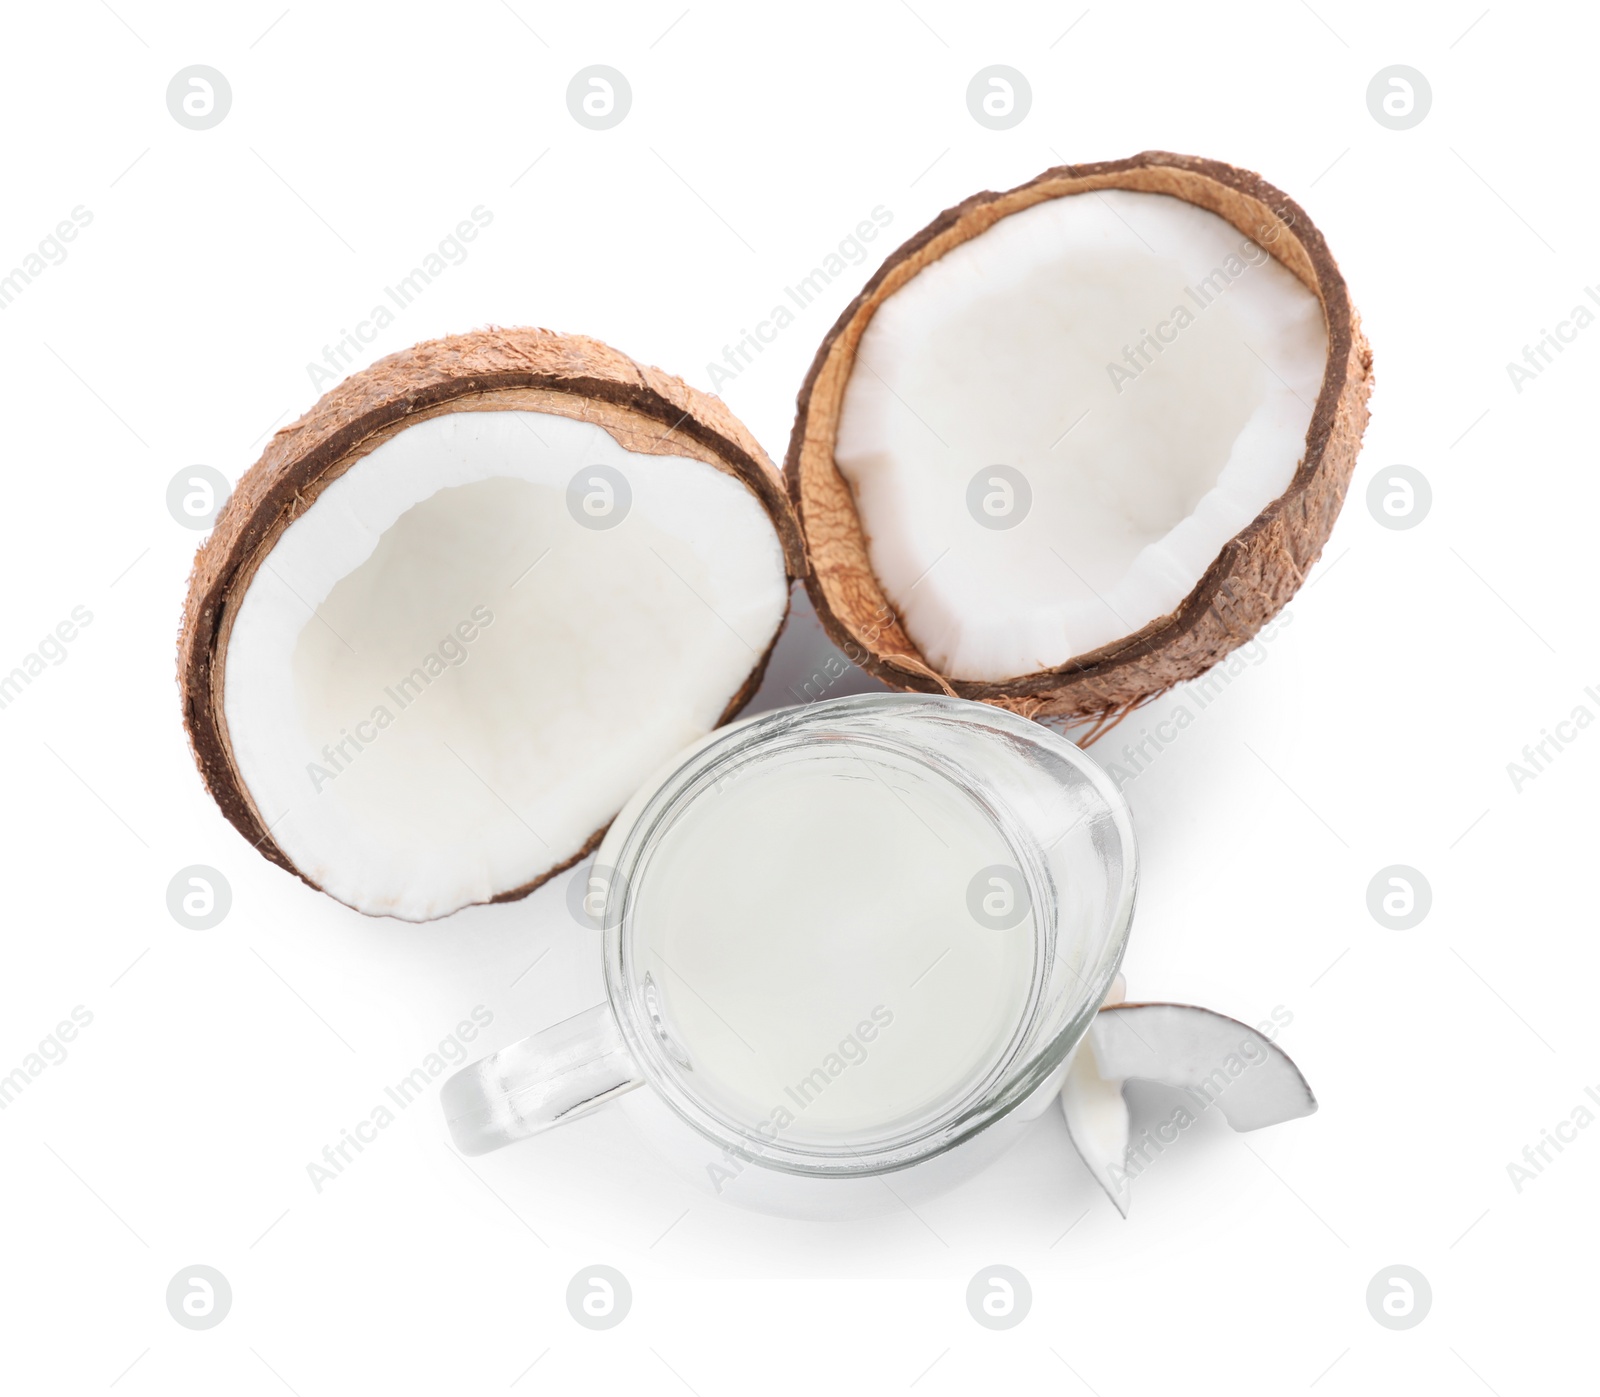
x=487, y=370
x=1253, y=576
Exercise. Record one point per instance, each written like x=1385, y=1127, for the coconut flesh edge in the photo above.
x=1150, y=372
x=439, y=685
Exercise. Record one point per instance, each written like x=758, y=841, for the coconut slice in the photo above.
x=1098, y=1123
x=1215, y=1060
x=458, y=612
x=1075, y=442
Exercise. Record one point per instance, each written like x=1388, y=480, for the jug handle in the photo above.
x=542, y=1081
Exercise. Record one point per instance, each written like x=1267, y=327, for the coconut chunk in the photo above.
x=1098, y=1123
x=1219, y=1060
x=1216, y=1060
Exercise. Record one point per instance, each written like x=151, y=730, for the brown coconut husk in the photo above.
x=488, y=370
x=1253, y=576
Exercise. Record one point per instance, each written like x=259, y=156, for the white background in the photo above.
x=1376, y=730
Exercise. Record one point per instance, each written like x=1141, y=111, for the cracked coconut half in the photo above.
x=463, y=608
x=1075, y=442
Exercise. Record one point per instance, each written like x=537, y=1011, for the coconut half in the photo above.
x=1075, y=442
x=460, y=611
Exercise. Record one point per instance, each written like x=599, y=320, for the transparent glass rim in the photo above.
x=699, y=767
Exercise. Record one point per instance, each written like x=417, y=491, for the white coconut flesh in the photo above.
x=1149, y=371
x=439, y=684
x=1215, y=1060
